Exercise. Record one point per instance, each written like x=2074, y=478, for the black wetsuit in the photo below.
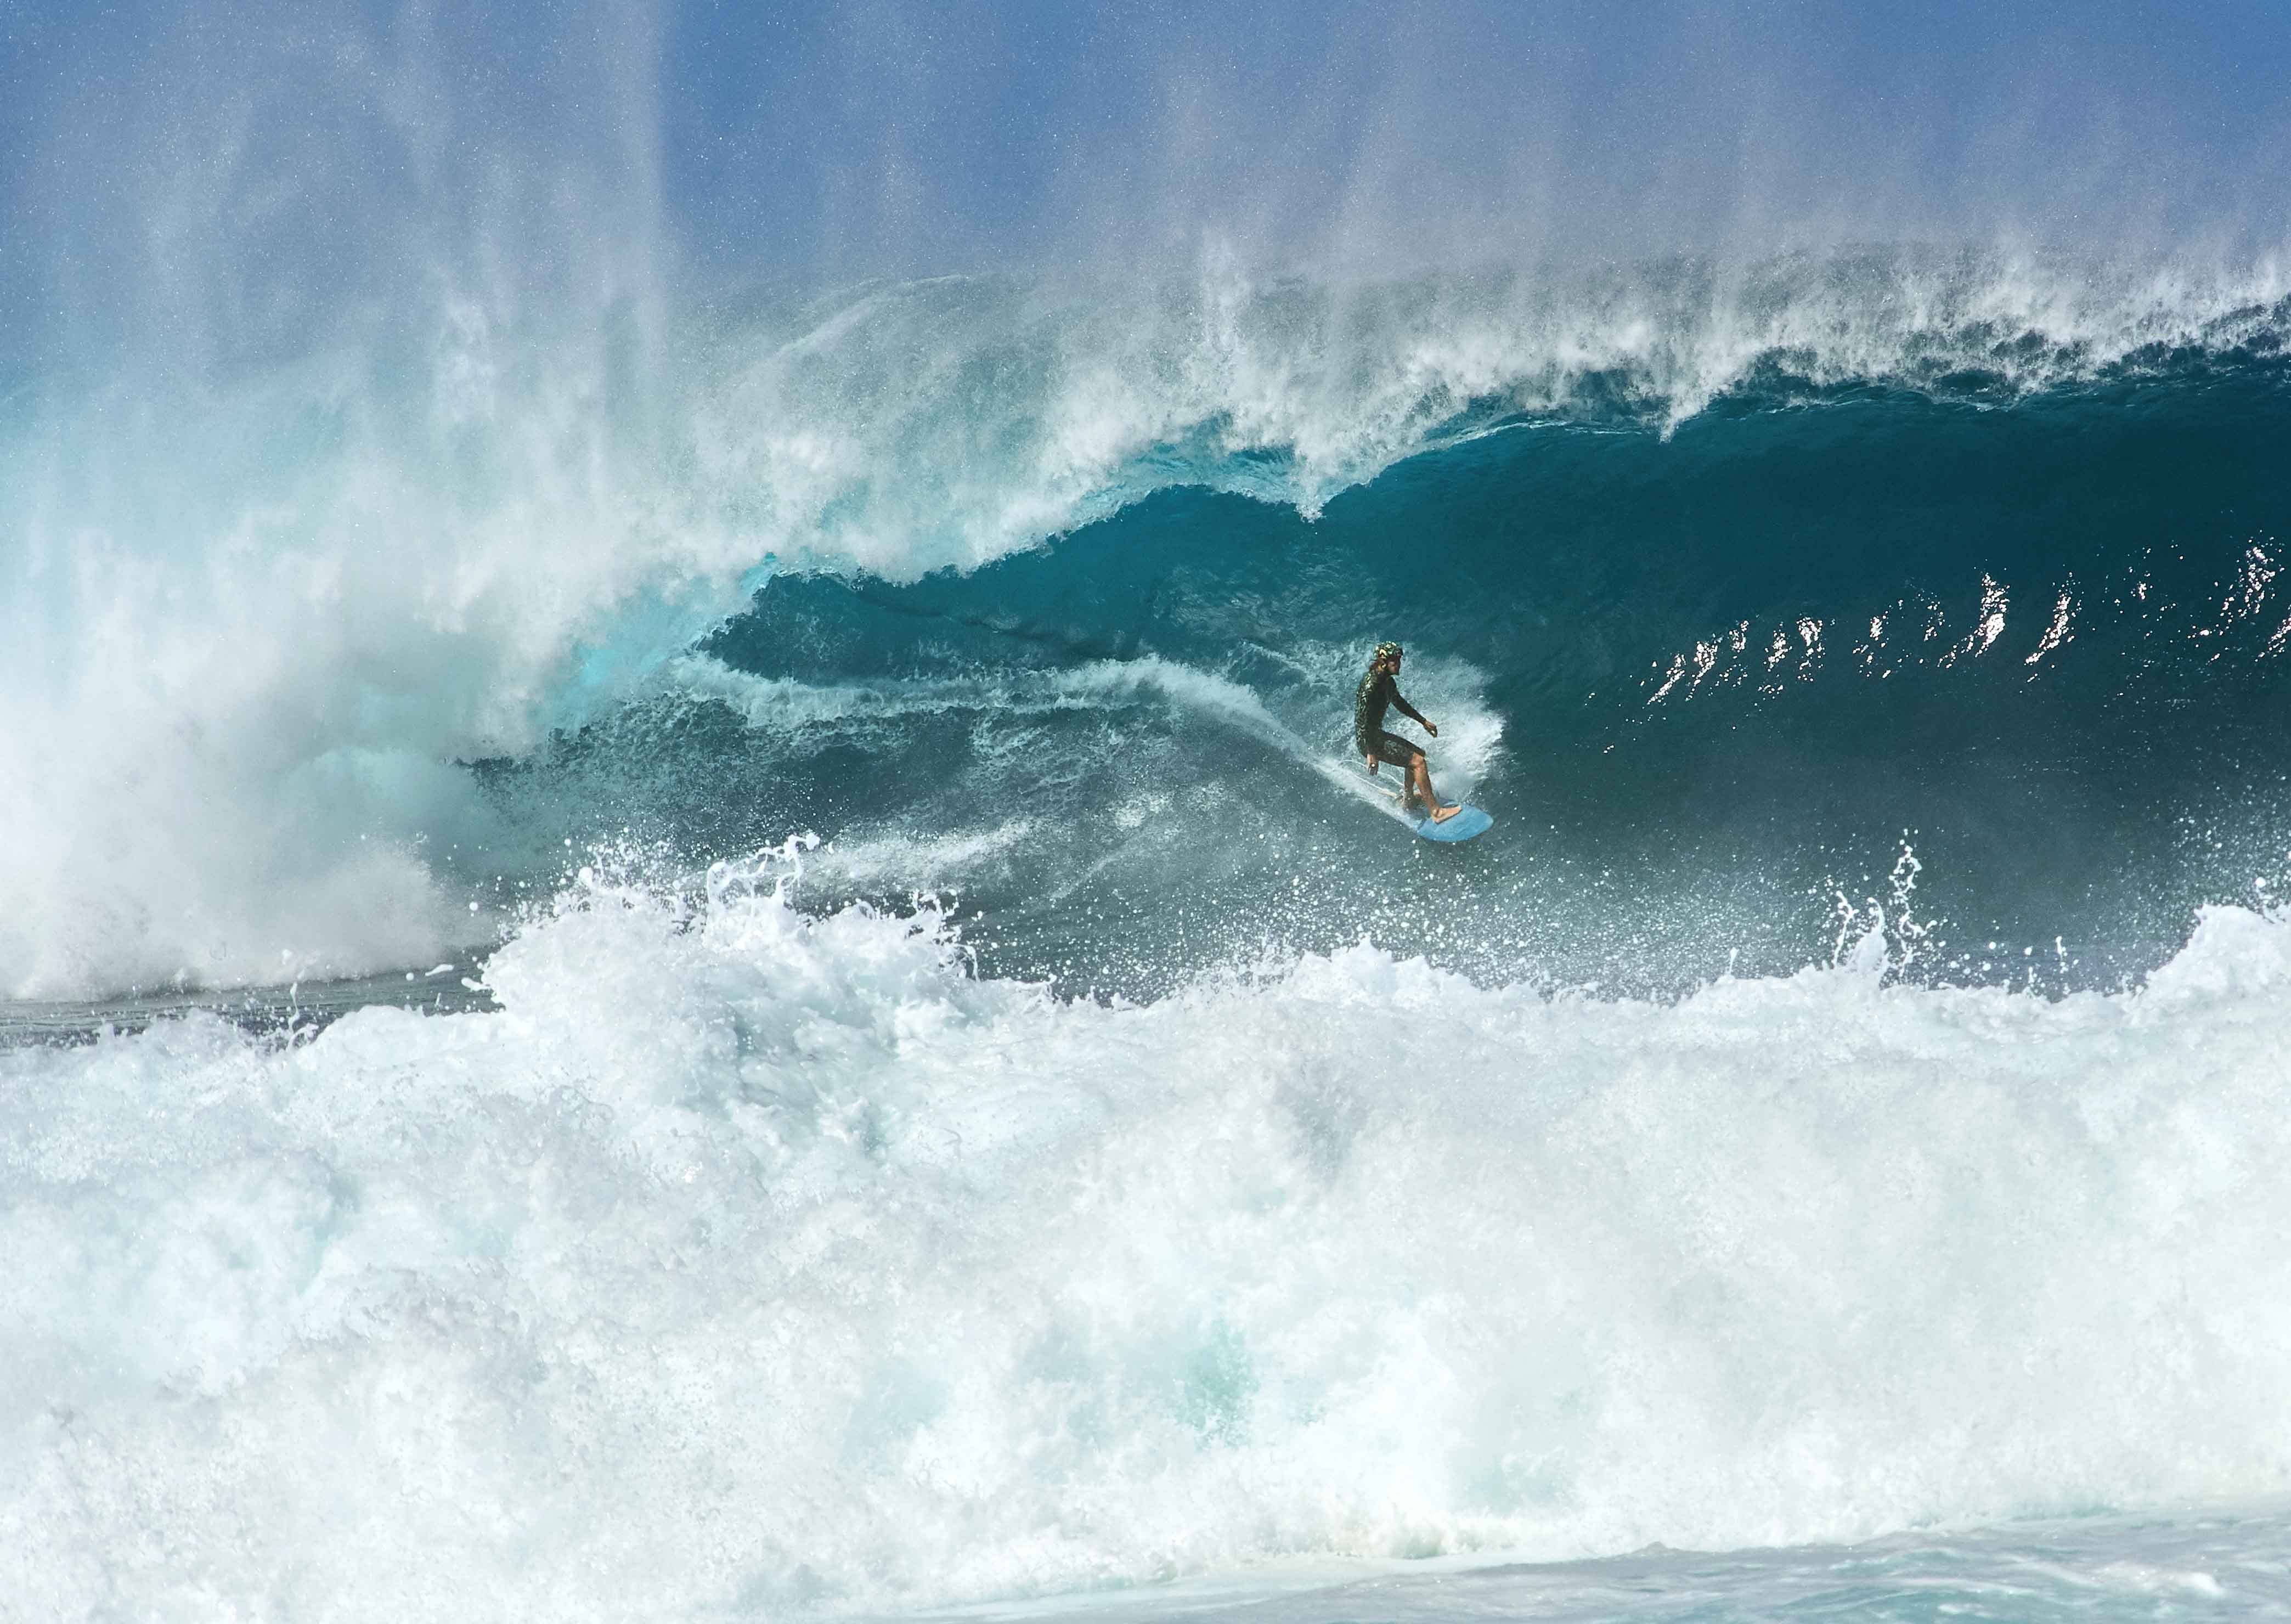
x=1377, y=691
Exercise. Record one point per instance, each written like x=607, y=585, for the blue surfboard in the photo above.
x=1468, y=822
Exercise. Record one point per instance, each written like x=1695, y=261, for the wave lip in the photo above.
x=1291, y=390
x=766, y=1260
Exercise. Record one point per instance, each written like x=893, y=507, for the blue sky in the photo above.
x=942, y=130
x=305, y=146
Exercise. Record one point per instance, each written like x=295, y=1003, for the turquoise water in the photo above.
x=2217, y=1564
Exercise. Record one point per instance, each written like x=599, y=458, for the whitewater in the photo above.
x=746, y=1260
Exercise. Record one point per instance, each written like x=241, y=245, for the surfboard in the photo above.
x=1468, y=820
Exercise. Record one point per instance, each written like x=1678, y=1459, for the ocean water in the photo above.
x=725, y=964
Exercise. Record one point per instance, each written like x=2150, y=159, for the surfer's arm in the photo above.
x=1414, y=714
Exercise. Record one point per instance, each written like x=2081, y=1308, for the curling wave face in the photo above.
x=2013, y=678
x=245, y=655
x=749, y=1259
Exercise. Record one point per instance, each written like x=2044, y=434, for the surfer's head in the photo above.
x=1385, y=657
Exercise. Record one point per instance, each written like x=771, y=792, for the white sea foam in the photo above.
x=745, y=1261
x=873, y=859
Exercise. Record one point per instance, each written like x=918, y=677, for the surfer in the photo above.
x=1378, y=689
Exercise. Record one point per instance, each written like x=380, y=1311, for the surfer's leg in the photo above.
x=1420, y=770
x=1410, y=760
x=1396, y=752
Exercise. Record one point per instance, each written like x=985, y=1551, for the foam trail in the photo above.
x=784, y=704
x=919, y=863
x=747, y=1261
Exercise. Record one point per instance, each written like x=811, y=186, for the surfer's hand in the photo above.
x=1433, y=728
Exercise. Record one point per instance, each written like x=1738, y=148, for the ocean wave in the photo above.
x=242, y=654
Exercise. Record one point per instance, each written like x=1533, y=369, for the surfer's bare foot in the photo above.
x=1441, y=814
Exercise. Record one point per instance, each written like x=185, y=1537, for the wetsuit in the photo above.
x=1375, y=693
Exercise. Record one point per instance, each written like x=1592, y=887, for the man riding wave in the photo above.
x=1378, y=690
